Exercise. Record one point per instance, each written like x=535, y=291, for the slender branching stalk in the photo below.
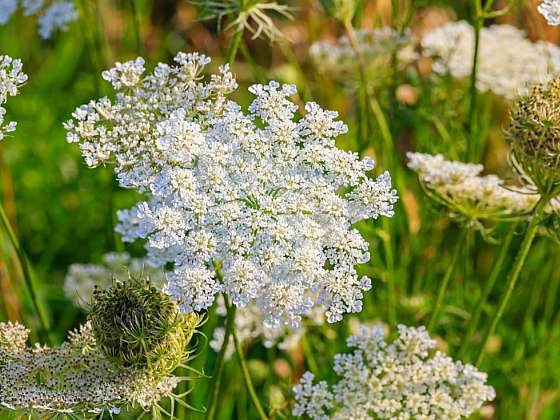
x=473, y=92
x=309, y=357
x=445, y=282
x=220, y=361
x=513, y=275
x=234, y=45
x=363, y=94
x=494, y=274
x=27, y=274
x=246, y=374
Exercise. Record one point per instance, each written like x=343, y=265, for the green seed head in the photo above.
x=138, y=326
x=534, y=136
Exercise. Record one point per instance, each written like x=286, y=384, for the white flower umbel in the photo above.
x=404, y=379
x=550, y=9
x=469, y=196
x=11, y=78
x=81, y=279
x=53, y=16
x=376, y=46
x=509, y=64
x=74, y=377
x=265, y=197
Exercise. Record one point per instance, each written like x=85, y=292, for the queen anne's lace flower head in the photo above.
x=11, y=78
x=53, y=16
x=75, y=377
x=550, y=9
x=82, y=279
x=469, y=196
x=265, y=198
x=398, y=380
x=375, y=48
x=508, y=63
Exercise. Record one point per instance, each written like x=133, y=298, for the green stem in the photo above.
x=136, y=27
x=513, y=275
x=220, y=361
x=496, y=270
x=234, y=46
x=394, y=60
x=309, y=357
x=390, y=262
x=471, y=147
x=443, y=286
x=247, y=375
x=363, y=93
x=27, y=274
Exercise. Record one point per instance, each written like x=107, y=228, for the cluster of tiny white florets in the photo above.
x=82, y=279
x=11, y=78
x=550, y=9
x=468, y=195
x=401, y=380
x=74, y=377
x=250, y=329
x=268, y=199
x=375, y=48
x=52, y=17
x=509, y=64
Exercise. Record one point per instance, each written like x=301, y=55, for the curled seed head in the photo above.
x=534, y=136
x=137, y=325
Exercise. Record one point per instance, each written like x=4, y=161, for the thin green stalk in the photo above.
x=258, y=74
x=219, y=366
x=513, y=276
x=234, y=45
x=473, y=92
x=309, y=357
x=363, y=94
x=394, y=61
x=443, y=286
x=27, y=274
x=247, y=375
x=390, y=262
x=136, y=27
x=496, y=270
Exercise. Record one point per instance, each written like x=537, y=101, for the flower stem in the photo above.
x=234, y=46
x=473, y=92
x=136, y=27
x=219, y=366
x=246, y=374
x=513, y=275
x=27, y=274
x=446, y=278
x=496, y=270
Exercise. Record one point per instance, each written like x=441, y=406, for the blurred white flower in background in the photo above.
x=375, y=48
x=509, y=64
x=250, y=328
x=53, y=16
